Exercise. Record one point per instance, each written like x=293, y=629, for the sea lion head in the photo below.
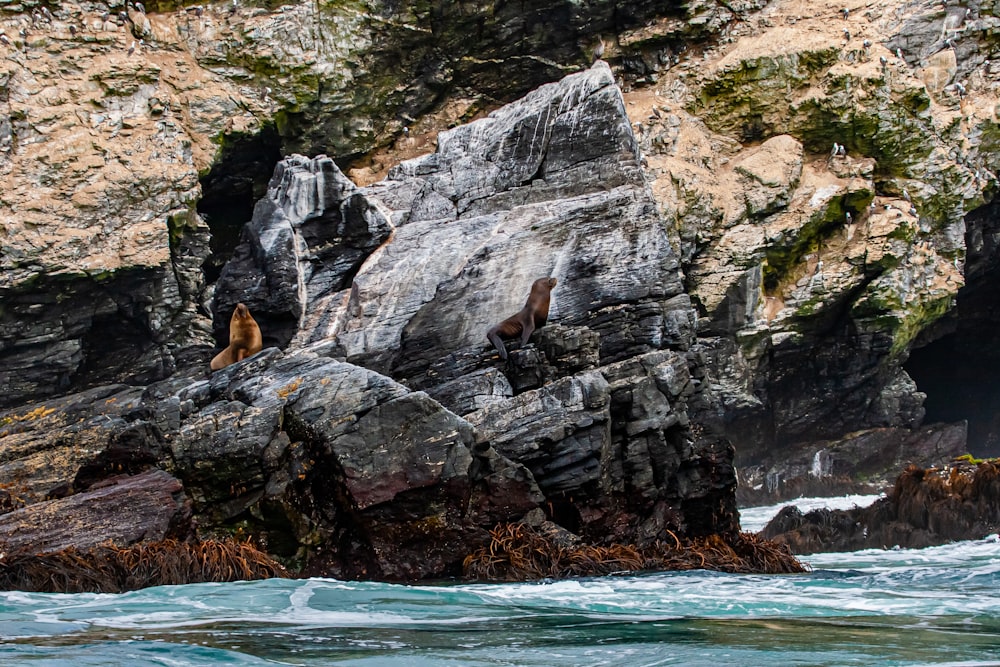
x=241, y=311
x=543, y=284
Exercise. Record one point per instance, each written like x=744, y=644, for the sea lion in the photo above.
x=244, y=339
x=533, y=315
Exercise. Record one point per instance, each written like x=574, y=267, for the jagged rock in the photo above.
x=559, y=431
x=536, y=207
x=717, y=265
x=124, y=510
x=42, y=447
x=101, y=268
x=348, y=467
x=928, y=30
x=309, y=235
x=473, y=391
x=130, y=324
x=817, y=284
x=924, y=508
x=612, y=449
x=771, y=171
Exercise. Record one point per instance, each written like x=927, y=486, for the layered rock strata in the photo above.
x=799, y=283
x=820, y=166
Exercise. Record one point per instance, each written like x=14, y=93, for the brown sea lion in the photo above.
x=244, y=339
x=533, y=315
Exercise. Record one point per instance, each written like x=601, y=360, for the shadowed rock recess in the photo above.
x=387, y=438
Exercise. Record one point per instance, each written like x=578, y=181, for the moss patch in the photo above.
x=780, y=260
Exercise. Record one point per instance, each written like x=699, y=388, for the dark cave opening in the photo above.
x=959, y=369
x=231, y=189
x=128, y=338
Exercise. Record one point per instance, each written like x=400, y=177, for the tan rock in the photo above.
x=939, y=71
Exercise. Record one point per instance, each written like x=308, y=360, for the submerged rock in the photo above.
x=925, y=507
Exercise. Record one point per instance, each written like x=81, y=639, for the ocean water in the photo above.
x=936, y=606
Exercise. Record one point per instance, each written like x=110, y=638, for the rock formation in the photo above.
x=333, y=452
x=128, y=175
x=148, y=506
x=816, y=275
x=725, y=276
x=863, y=462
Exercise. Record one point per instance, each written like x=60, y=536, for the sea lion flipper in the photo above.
x=221, y=360
x=527, y=330
x=495, y=339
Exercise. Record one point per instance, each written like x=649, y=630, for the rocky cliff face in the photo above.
x=135, y=138
x=724, y=275
x=388, y=437
x=818, y=272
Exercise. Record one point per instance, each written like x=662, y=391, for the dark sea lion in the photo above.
x=532, y=316
x=244, y=339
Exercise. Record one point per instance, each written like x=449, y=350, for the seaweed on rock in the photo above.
x=112, y=569
x=518, y=552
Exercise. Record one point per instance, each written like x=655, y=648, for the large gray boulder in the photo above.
x=549, y=185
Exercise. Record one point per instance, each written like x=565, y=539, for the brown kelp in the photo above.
x=112, y=569
x=518, y=552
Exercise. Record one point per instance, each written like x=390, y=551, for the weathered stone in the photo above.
x=772, y=171
x=821, y=282
x=113, y=169
x=308, y=236
x=64, y=332
x=125, y=510
x=559, y=432
x=343, y=465
x=473, y=391
x=43, y=446
x=536, y=207
x=612, y=450
x=718, y=276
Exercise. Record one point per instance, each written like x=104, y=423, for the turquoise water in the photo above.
x=937, y=606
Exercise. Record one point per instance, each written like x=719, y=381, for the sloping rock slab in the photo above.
x=151, y=506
